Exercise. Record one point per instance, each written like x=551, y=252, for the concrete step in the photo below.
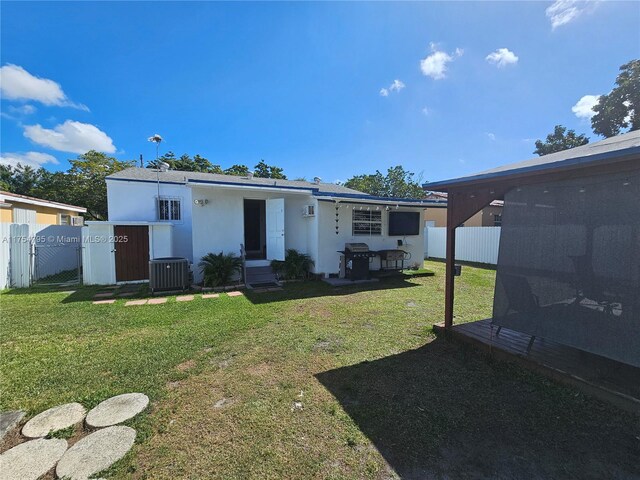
x=262, y=279
x=258, y=270
x=259, y=275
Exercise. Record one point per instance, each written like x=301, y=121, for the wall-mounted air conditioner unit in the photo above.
x=309, y=211
x=77, y=221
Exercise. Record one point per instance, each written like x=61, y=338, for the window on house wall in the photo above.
x=367, y=222
x=169, y=208
x=65, y=219
x=497, y=219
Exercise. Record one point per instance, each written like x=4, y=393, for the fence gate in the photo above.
x=56, y=264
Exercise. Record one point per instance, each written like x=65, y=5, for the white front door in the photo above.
x=275, y=229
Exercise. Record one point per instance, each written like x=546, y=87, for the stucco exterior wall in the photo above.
x=219, y=225
x=6, y=215
x=484, y=218
x=136, y=201
x=44, y=215
x=437, y=215
x=329, y=243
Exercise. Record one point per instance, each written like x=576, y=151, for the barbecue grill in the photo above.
x=356, y=258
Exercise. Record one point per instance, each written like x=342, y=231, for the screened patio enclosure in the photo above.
x=569, y=258
x=569, y=264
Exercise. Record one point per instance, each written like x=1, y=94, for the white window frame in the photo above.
x=170, y=207
x=370, y=222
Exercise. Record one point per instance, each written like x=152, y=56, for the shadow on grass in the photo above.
x=81, y=293
x=445, y=411
x=313, y=289
x=291, y=291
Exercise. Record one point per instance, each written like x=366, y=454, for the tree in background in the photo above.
x=560, y=140
x=200, y=164
x=83, y=184
x=618, y=109
x=263, y=170
x=20, y=179
x=85, y=181
x=239, y=170
x=397, y=183
x=186, y=164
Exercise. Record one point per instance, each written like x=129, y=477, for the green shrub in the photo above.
x=295, y=265
x=218, y=269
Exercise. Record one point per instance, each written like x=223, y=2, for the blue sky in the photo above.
x=301, y=85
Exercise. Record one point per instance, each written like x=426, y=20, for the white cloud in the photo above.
x=71, y=136
x=425, y=111
x=435, y=64
x=23, y=109
x=502, y=57
x=32, y=159
x=491, y=136
x=562, y=12
x=16, y=113
x=584, y=107
x=396, y=86
x=18, y=84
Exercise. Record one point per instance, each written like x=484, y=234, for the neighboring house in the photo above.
x=188, y=214
x=490, y=216
x=16, y=208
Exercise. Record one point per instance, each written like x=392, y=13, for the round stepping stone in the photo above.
x=117, y=409
x=96, y=452
x=32, y=459
x=55, y=418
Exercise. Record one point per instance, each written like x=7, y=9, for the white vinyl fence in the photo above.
x=473, y=244
x=33, y=252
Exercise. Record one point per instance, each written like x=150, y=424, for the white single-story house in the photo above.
x=189, y=214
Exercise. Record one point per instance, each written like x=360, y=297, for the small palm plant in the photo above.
x=295, y=265
x=218, y=269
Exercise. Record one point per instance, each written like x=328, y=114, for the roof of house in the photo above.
x=177, y=176
x=321, y=189
x=608, y=150
x=7, y=197
x=443, y=196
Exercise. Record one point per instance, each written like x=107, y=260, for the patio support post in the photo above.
x=449, y=276
x=461, y=205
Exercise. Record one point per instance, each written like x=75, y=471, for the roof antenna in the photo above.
x=141, y=162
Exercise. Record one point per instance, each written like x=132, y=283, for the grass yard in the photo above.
x=309, y=382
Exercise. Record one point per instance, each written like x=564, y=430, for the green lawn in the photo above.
x=379, y=395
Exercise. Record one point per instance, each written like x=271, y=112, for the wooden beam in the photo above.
x=460, y=206
x=449, y=275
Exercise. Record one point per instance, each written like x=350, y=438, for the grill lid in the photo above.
x=356, y=247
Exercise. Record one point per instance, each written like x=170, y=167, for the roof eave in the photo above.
x=535, y=170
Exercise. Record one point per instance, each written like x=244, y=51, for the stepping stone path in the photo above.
x=117, y=409
x=234, y=294
x=96, y=452
x=135, y=302
x=9, y=421
x=157, y=301
x=30, y=460
x=55, y=418
x=185, y=298
x=210, y=295
x=104, y=302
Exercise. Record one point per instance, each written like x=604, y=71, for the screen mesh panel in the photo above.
x=569, y=264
